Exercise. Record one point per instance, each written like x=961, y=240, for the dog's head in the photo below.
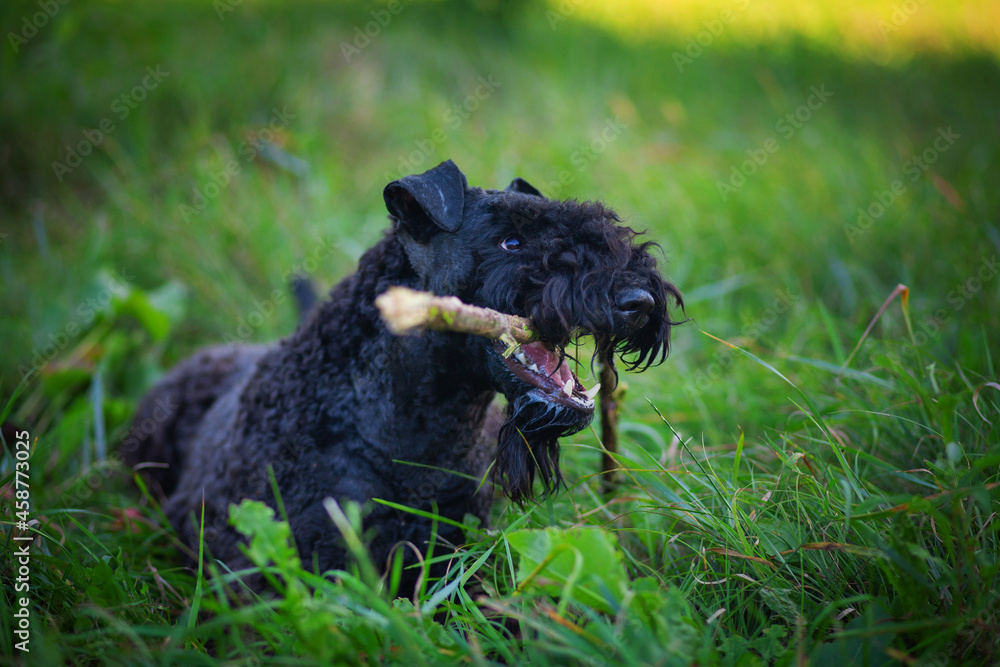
x=569, y=267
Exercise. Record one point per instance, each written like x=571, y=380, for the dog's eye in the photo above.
x=513, y=243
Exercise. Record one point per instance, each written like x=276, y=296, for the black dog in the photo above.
x=342, y=408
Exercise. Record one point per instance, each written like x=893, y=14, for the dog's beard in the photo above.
x=528, y=443
x=637, y=347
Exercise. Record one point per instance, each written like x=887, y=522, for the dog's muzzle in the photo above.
x=544, y=367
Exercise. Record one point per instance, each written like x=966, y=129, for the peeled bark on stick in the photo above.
x=407, y=311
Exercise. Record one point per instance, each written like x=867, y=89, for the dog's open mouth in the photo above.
x=546, y=368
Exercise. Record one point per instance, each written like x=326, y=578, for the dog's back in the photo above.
x=170, y=416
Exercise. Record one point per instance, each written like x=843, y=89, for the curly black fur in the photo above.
x=341, y=407
x=566, y=280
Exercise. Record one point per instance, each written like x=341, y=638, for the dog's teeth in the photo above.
x=519, y=355
x=568, y=388
x=533, y=367
x=590, y=393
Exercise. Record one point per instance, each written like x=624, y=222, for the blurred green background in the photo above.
x=651, y=107
x=164, y=167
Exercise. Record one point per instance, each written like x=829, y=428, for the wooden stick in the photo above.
x=610, y=395
x=407, y=311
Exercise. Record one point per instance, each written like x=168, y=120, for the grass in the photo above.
x=784, y=499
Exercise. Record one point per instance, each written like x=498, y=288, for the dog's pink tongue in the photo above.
x=546, y=361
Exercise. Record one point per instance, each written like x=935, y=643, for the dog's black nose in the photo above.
x=632, y=306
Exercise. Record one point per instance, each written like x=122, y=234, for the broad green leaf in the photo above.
x=584, y=564
x=269, y=539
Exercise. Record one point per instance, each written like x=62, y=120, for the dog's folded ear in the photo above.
x=524, y=187
x=433, y=198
